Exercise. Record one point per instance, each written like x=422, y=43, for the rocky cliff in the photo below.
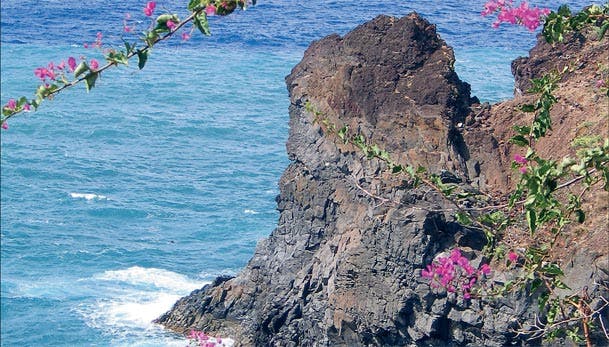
x=343, y=265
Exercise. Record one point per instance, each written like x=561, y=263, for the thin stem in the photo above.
x=110, y=64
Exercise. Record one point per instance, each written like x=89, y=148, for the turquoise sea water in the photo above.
x=117, y=202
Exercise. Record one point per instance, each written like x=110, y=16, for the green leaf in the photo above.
x=117, y=58
x=448, y=189
x=162, y=19
x=603, y=30
x=463, y=218
x=90, y=80
x=360, y=141
x=202, y=24
x=194, y=5
x=22, y=101
x=384, y=155
x=553, y=270
x=226, y=8
x=142, y=56
x=530, y=200
x=519, y=140
x=560, y=284
x=534, y=285
x=342, y=132
x=129, y=47
x=161, y=26
x=515, y=196
x=522, y=130
x=528, y=108
x=81, y=68
x=531, y=220
x=6, y=112
x=375, y=150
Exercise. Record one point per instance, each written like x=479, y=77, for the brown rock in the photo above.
x=343, y=265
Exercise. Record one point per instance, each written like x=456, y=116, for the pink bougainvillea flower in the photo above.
x=72, y=63
x=210, y=10
x=520, y=159
x=51, y=74
x=149, y=9
x=600, y=83
x=43, y=72
x=4, y=125
x=513, y=257
x=40, y=73
x=507, y=16
x=427, y=272
x=11, y=105
x=522, y=169
x=94, y=65
x=26, y=107
x=529, y=17
x=454, y=273
x=126, y=27
x=171, y=25
x=98, y=40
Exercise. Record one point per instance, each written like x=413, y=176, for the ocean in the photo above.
x=117, y=202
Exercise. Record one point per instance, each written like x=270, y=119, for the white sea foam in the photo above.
x=131, y=299
x=159, y=278
x=88, y=196
x=248, y=211
x=135, y=310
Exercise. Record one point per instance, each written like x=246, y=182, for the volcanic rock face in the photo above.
x=343, y=265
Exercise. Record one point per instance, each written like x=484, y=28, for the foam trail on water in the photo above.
x=88, y=196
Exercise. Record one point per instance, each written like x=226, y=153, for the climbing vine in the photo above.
x=543, y=198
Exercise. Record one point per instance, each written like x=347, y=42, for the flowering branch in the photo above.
x=529, y=17
x=165, y=26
